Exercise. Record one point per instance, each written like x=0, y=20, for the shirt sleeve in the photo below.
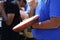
x=11, y=8
x=54, y=8
x=28, y=8
x=38, y=8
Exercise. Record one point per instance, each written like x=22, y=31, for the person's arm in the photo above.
x=2, y=12
x=33, y=5
x=54, y=22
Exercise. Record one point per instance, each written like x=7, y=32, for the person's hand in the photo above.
x=23, y=14
x=33, y=4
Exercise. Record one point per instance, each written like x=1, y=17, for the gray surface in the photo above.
x=0, y=21
x=2, y=1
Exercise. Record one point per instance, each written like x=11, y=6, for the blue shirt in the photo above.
x=47, y=9
x=27, y=8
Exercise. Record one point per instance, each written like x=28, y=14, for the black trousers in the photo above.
x=0, y=33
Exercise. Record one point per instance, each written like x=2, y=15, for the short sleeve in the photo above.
x=27, y=8
x=11, y=8
x=54, y=8
x=38, y=8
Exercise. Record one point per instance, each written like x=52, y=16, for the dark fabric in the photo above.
x=30, y=39
x=0, y=33
x=13, y=8
x=7, y=32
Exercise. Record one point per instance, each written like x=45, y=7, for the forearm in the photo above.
x=31, y=13
x=1, y=8
x=52, y=23
x=2, y=11
x=4, y=15
x=32, y=5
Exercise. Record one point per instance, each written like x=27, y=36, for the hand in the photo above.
x=23, y=14
x=33, y=4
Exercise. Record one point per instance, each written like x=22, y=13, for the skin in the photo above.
x=2, y=12
x=54, y=22
x=23, y=13
x=9, y=17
